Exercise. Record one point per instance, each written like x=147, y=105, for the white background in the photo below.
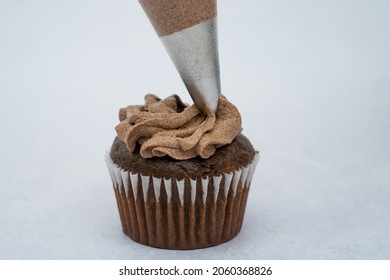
x=311, y=79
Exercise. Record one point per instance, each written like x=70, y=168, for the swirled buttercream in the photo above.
x=168, y=127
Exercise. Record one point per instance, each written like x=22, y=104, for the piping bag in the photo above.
x=188, y=31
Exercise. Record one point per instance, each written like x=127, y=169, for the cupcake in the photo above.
x=181, y=177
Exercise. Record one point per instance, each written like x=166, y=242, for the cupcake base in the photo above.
x=181, y=214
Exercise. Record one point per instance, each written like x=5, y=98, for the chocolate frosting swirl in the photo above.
x=169, y=127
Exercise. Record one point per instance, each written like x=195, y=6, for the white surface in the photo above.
x=311, y=78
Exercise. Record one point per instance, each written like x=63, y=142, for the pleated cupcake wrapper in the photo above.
x=181, y=213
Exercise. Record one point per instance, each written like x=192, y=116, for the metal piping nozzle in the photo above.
x=188, y=31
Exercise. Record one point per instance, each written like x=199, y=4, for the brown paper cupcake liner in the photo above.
x=190, y=213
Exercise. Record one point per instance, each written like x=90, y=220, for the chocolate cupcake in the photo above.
x=181, y=178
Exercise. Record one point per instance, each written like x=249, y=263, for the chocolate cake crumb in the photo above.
x=226, y=159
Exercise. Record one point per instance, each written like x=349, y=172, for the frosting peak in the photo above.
x=168, y=127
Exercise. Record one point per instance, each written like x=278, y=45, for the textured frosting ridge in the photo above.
x=168, y=127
